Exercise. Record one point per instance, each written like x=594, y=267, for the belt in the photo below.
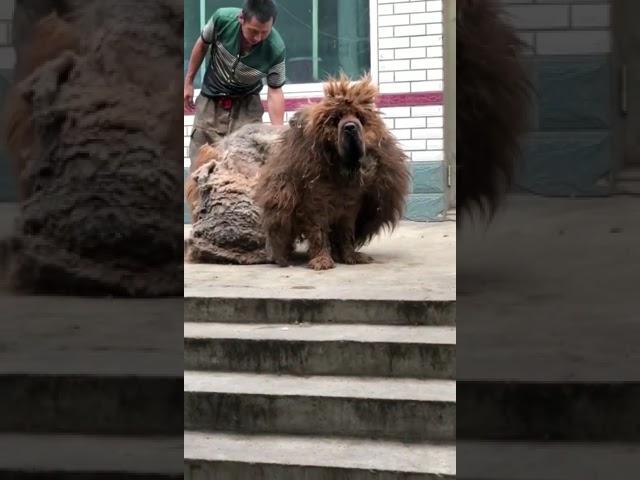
x=224, y=102
x=227, y=101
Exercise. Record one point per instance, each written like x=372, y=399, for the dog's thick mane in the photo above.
x=493, y=99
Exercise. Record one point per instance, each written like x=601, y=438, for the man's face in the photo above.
x=254, y=31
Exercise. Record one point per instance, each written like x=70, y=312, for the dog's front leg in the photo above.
x=319, y=248
x=279, y=245
x=343, y=246
x=279, y=241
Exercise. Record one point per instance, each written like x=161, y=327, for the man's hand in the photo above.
x=189, y=105
x=197, y=56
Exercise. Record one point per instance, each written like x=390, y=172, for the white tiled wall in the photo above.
x=7, y=55
x=407, y=57
x=410, y=59
x=562, y=27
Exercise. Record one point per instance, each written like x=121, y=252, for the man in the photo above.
x=244, y=49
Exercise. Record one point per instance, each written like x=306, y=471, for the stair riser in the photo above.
x=79, y=404
x=256, y=310
x=549, y=412
x=198, y=470
x=356, y=417
x=628, y=186
x=321, y=358
x=66, y=475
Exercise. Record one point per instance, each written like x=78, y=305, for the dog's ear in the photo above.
x=305, y=121
x=300, y=119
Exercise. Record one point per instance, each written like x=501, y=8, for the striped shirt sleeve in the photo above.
x=276, y=77
x=208, y=31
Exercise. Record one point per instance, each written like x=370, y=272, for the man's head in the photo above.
x=257, y=19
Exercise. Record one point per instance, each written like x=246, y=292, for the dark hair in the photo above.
x=263, y=10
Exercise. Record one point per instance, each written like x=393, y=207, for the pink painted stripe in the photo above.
x=385, y=100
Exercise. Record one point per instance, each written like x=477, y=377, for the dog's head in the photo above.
x=346, y=120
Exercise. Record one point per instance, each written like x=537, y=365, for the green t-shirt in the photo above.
x=229, y=73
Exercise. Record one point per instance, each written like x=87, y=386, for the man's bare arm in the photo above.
x=198, y=53
x=275, y=104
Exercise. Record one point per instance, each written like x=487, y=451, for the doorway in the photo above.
x=626, y=45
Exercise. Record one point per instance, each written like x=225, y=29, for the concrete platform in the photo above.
x=273, y=457
x=417, y=262
x=49, y=335
x=549, y=292
x=548, y=322
x=92, y=387
x=547, y=461
x=90, y=365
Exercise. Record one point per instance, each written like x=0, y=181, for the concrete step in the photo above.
x=628, y=187
x=225, y=456
x=552, y=411
x=90, y=365
x=308, y=349
x=318, y=310
x=631, y=173
x=73, y=457
x=90, y=403
x=406, y=409
x=547, y=461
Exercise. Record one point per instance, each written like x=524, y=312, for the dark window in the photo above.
x=322, y=37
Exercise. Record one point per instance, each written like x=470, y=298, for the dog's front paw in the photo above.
x=281, y=262
x=321, y=263
x=357, y=258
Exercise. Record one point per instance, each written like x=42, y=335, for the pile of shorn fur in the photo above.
x=227, y=223
x=94, y=128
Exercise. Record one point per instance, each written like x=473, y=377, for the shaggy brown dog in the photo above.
x=493, y=99
x=336, y=179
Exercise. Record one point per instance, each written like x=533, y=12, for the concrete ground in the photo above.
x=415, y=262
x=547, y=461
x=549, y=291
x=48, y=334
x=353, y=454
x=105, y=371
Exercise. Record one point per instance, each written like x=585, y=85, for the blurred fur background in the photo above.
x=94, y=126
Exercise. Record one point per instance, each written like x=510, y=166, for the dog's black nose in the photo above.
x=350, y=127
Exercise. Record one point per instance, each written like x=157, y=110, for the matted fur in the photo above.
x=96, y=141
x=493, y=99
x=226, y=221
x=337, y=197
x=17, y=116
